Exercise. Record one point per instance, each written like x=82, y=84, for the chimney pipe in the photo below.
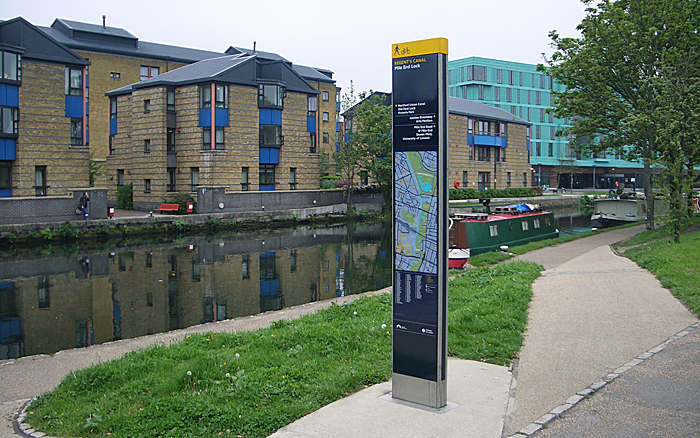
x=104, y=22
x=254, y=42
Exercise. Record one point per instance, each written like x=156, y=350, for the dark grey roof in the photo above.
x=314, y=74
x=117, y=41
x=477, y=109
x=207, y=69
x=76, y=26
x=36, y=44
x=269, y=56
x=462, y=107
x=233, y=69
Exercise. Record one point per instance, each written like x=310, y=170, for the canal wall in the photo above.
x=544, y=201
x=363, y=203
x=25, y=210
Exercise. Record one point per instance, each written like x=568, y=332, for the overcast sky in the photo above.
x=351, y=38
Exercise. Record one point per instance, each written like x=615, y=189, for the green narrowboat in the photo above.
x=477, y=233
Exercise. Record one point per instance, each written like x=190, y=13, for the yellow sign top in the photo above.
x=417, y=48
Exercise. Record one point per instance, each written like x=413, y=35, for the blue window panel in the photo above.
x=205, y=117
x=9, y=95
x=221, y=115
x=528, y=145
x=347, y=138
x=87, y=108
x=269, y=156
x=112, y=126
x=87, y=81
x=74, y=107
x=269, y=288
x=10, y=330
x=266, y=187
x=270, y=116
x=5, y=193
x=337, y=146
x=488, y=140
x=337, y=106
x=337, y=126
x=87, y=137
x=268, y=254
x=470, y=139
x=8, y=149
x=311, y=124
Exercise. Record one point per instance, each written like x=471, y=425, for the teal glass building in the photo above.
x=526, y=93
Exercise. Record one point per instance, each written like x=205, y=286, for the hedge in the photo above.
x=522, y=192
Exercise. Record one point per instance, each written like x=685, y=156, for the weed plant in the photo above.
x=253, y=383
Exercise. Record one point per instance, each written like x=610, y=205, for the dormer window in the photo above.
x=271, y=96
x=10, y=66
x=74, y=81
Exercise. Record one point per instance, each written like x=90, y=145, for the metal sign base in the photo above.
x=419, y=391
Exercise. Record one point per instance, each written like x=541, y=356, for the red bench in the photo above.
x=167, y=207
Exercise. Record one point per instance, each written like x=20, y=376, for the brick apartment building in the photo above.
x=242, y=121
x=116, y=58
x=488, y=147
x=43, y=99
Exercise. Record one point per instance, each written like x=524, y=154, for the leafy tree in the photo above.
x=615, y=73
x=369, y=145
x=95, y=168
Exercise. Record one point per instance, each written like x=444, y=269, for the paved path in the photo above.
x=658, y=398
x=592, y=312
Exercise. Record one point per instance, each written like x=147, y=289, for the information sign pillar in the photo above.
x=420, y=221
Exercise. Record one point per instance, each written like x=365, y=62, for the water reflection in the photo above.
x=50, y=302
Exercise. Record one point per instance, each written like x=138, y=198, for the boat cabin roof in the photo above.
x=483, y=217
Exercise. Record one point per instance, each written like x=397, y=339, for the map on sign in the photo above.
x=416, y=211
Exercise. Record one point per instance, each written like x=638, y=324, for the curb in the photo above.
x=534, y=427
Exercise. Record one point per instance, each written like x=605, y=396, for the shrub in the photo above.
x=125, y=197
x=47, y=234
x=181, y=199
x=522, y=192
x=329, y=182
x=586, y=201
x=69, y=230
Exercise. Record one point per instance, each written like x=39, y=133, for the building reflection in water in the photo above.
x=54, y=302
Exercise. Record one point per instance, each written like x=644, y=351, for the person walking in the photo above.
x=84, y=201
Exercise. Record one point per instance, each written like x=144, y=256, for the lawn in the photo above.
x=253, y=383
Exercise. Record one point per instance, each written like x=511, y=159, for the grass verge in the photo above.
x=251, y=384
x=675, y=265
x=659, y=233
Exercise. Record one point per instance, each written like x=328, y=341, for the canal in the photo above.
x=52, y=300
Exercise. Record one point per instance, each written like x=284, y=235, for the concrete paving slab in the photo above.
x=479, y=390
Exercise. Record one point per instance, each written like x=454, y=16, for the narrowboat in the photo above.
x=477, y=233
x=610, y=212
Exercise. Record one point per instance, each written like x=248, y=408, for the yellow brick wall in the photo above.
x=101, y=65
x=216, y=167
x=516, y=160
x=44, y=134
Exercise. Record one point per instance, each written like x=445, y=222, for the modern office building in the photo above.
x=524, y=92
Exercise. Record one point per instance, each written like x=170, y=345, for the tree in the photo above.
x=369, y=138
x=95, y=168
x=614, y=75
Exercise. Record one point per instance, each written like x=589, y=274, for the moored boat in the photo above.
x=609, y=212
x=477, y=233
